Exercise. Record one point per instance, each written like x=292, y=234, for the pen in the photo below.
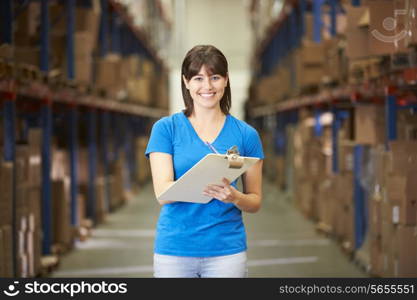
x=212, y=148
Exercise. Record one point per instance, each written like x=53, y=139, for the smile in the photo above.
x=207, y=95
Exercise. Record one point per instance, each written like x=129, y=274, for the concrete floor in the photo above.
x=281, y=243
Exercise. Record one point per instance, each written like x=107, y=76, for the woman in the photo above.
x=193, y=239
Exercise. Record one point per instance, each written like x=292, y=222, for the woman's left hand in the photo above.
x=223, y=192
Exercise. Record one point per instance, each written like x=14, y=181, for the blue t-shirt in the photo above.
x=194, y=229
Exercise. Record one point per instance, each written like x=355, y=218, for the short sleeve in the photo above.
x=253, y=144
x=161, y=137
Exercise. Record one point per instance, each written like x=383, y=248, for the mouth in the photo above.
x=207, y=95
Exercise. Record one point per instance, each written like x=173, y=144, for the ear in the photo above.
x=185, y=82
x=227, y=79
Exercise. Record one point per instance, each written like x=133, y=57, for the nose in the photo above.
x=207, y=83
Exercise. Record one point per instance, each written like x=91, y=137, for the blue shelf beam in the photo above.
x=70, y=14
x=105, y=138
x=92, y=164
x=391, y=116
x=333, y=17
x=46, y=122
x=360, y=207
x=338, y=117
x=104, y=28
x=318, y=128
x=318, y=23
x=115, y=41
x=9, y=126
x=44, y=36
x=6, y=22
x=73, y=139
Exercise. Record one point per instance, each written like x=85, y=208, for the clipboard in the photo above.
x=209, y=170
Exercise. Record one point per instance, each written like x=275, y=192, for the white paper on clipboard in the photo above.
x=209, y=170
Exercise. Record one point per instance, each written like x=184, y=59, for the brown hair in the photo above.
x=215, y=62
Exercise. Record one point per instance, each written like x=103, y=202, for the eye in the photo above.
x=198, y=78
x=215, y=77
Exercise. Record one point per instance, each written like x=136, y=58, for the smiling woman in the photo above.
x=194, y=239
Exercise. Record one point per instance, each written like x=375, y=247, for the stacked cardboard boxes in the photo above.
x=369, y=124
x=6, y=196
x=26, y=49
x=34, y=232
x=111, y=77
x=22, y=205
x=143, y=165
x=62, y=231
x=393, y=212
x=85, y=39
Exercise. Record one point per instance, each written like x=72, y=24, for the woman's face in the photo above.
x=206, y=90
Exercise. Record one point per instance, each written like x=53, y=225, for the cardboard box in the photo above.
x=6, y=252
x=405, y=258
x=402, y=189
x=60, y=164
x=57, y=52
x=346, y=150
x=83, y=69
x=110, y=75
x=309, y=75
x=2, y=254
x=357, y=38
x=312, y=53
x=27, y=55
x=376, y=256
x=388, y=245
x=369, y=124
x=6, y=52
x=410, y=23
x=148, y=68
x=81, y=205
x=387, y=37
x=22, y=164
x=375, y=215
x=380, y=157
x=83, y=44
x=62, y=233
x=139, y=90
x=6, y=196
x=406, y=125
x=326, y=202
x=132, y=65
x=335, y=61
x=402, y=157
x=100, y=200
x=27, y=23
x=35, y=208
x=85, y=20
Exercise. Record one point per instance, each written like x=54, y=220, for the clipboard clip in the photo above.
x=234, y=159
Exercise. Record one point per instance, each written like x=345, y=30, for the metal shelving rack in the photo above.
x=25, y=84
x=283, y=36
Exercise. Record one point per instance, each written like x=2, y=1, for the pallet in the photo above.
x=84, y=231
x=28, y=73
x=49, y=263
x=7, y=69
x=60, y=249
x=324, y=228
x=347, y=248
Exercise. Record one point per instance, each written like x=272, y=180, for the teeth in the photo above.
x=207, y=95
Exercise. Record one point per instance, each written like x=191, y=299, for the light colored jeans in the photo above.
x=233, y=266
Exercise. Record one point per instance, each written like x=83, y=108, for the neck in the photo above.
x=206, y=116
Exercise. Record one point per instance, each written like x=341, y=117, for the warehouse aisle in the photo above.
x=282, y=243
